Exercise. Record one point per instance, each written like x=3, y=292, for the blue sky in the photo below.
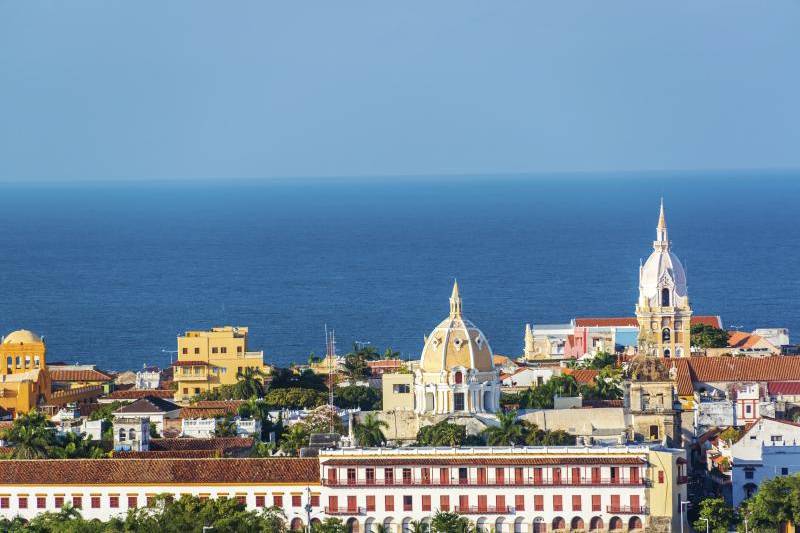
x=196, y=89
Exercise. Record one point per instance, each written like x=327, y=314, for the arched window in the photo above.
x=121, y=434
x=666, y=335
x=132, y=434
x=664, y=297
x=459, y=377
x=667, y=353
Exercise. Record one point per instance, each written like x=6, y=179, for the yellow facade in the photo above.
x=209, y=359
x=398, y=392
x=668, y=478
x=24, y=379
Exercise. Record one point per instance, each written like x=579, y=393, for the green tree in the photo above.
x=355, y=367
x=705, y=336
x=249, y=383
x=153, y=430
x=721, y=516
x=357, y=397
x=541, y=396
x=415, y=526
x=294, y=398
x=449, y=522
x=226, y=427
x=370, y=432
x=441, y=434
x=329, y=525
x=294, y=438
x=508, y=433
x=389, y=353
x=31, y=435
x=776, y=502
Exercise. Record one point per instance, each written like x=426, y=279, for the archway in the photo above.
x=352, y=525
x=615, y=524
x=634, y=523
x=519, y=525
x=487, y=401
x=665, y=297
x=577, y=523
x=428, y=401
x=559, y=523
x=667, y=353
x=666, y=335
x=480, y=524
x=369, y=524
x=296, y=524
x=406, y=525
x=596, y=524
x=749, y=490
x=315, y=522
x=500, y=525
x=388, y=524
x=539, y=525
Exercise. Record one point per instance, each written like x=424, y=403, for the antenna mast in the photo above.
x=330, y=341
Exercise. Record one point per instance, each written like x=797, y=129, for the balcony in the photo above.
x=344, y=511
x=191, y=377
x=483, y=509
x=474, y=482
x=682, y=480
x=627, y=509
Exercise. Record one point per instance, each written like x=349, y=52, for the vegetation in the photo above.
x=508, y=433
x=775, y=503
x=447, y=522
x=249, y=383
x=225, y=427
x=284, y=378
x=705, y=336
x=541, y=397
x=330, y=525
x=33, y=436
x=357, y=397
x=370, y=431
x=721, y=516
x=600, y=361
x=295, y=398
x=731, y=434
x=442, y=434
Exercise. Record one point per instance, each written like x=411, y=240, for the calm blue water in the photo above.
x=111, y=273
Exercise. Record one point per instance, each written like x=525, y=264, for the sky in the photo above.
x=120, y=90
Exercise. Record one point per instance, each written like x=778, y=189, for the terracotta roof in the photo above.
x=217, y=443
x=174, y=454
x=190, y=363
x=714, y=321
x=158, y=471
x=603, y=403
x=742, y=339
x=135, y=394
x=583, y=376
x=691, y=370
x=148, y=404
x=489, y=461
x=79, y=375
x=788, y=388
x=385, y=363
x=211, y=409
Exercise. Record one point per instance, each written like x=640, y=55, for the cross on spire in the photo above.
x=455, y=302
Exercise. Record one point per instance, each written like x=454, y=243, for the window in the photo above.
x=784, y=471
x=481, y=476
x=500, y=502
x=370, y=476
x=519, y=502
x=596, y=506
x=458, y=401
x=186, y=390
x=22, y=502
x=665, y=297
x=77, y=502
x=463, y=502
x=557, y=503
x=661, y=476
x=426, y=476
x=351, y=476
x=388, y=502
x=185, y=351
x=59, y=501
x=41, y=502
x=132, y=434
x=371, y=502
x=214, y=349
x=483, y=504
x=197, y=350
x=576, y=502
x=556, y=476
x=260, y=499
x=538, y=502
x=388, y=476
x=634, y=475
x=197, y=390
x=238, y=349
x=426, y=502
x=537, y=476
x=223, y=350
x=459, y=378
x=519, y=476
x=444, y=476
x=406, y=476
x=775, y=438
x=634, y=502
x=407, y=503
x=4, y=502
x=748, y=473
x=95, y=502
x=113, y=501
x=463, y=476
x=401, y=388
x=132, y=501
x=595, y=474
x=614, y=474
x=297, y=500
x=277, y=500
x=333, y=503
x=332, y=475
x=315, y=500
x=748, y=409
x=444, y=502
x=576, y=476
x=352, y=504
x=122, y=435
x=150, y=500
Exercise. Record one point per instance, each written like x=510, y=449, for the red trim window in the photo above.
x=538, y=502
x=406, y=476
x=483, y=504
x=113, y=501
x=481, y=476
x=370, y=476
x=95, y=502
x=277, y=500
x=537, y=476
x=444, y=476
x=519, y=476
x=4, y=502
x=260, y=500
x=388, y=502
x=634, y=502
x=352, y=504
x=426, y=476
x=77, y=502
x=576, y=502
x=557, y=503
x=388, y=476
x=500, y=502
x=661, y=476
x=370, y=502
x=556, y=476
x=463, y=502
x=407, y=503
x=519, y=502
x=426, y=502
x=576, y=476
x=297, y=500
x=241, y=498
x=614, y=474
x=315, y=500
x=41, y=502
x=444, y=502
x=635, y=474
x=22, y=502
x=500, y=476
x=132, y=501
x=59, y=501
x=333, y=503
x=351, y=476
x=332, y=476
x=596, y=505
x=595, y=474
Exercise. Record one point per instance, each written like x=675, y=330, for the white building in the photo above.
x=131, y=434
x=152, y=408
x=204, y=428
x=149, y=377
x=526, y=377
x=508, y=489
x=769, y=448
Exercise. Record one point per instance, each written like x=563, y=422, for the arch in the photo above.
x=406, y=525
x=369, y=524
x=122, y=434
x=519, y=525
x=352, y=525
x=487, y=401
x=480, y=524
x=559, y=523
x=634, y=523
x=296, y=524
x=132, y=434
x=666, y=335
x=615, y=524
x=315, y=522
x=429, y=401
x=679, y=351
x=667, y=353
x=500, y=525
x=595, y=524
x=665, y=297
x=458, y=377
x=539, y=525
x=749, y=490
x=388, y=523
x=577, y=523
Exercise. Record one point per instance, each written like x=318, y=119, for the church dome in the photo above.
x=456, y=343
x=21, y=336
x=662, y=270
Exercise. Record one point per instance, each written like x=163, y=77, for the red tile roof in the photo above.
x=385, y=363
x=158, y=471
x=489, y=461
x=148, y=404
x=714, y=321
x=211, y=409
x=217, y=443
x=79, y=375
x=787, y=388
x=742, y=339
x=174, y=454
x=582, y=376
x=691, y=370
x=135, y=394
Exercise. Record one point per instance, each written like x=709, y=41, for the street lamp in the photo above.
x=682, y=504
x=308, y=509
x=706, y=519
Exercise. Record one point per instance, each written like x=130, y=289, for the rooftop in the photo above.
x=148, y=404
x=691, y=370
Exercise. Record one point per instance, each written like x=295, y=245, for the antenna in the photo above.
x=330, y=343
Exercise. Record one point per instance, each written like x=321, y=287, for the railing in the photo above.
x=683, y=479
x=483, y=509
x=344, y=510
x=472, y=482
x=627, y=509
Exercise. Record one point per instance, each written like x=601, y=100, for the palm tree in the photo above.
x=369, y=432
x=294, y=438
x=30, y=443
x=378, y=528
x=415, y=526
x=225, y=427
x=508, y=433
x=250, y=382
x=354, y=367
x=389, y=353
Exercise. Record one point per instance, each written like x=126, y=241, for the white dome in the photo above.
x=22, y=336
x=662, y=269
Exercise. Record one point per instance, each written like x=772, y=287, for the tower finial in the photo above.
x=662, y=222
x=661, y=231
x=455, y=301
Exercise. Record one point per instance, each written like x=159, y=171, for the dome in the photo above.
x=456, y=343
x=661, y=265
x=21, y=336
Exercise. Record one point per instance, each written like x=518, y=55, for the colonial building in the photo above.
x=208, y=359
x=663, y=310
x=507, y=489
x=24, y=379
x=456, y=373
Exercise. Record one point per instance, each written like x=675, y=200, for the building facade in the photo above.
x=209, y=359
x=663, y=310
x=529, y=489
x=24, y=378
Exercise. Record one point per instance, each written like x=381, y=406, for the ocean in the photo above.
x=111, y=273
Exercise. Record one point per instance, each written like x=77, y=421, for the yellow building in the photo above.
x=208, y=359
x=663, y=310
x=25, y=381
